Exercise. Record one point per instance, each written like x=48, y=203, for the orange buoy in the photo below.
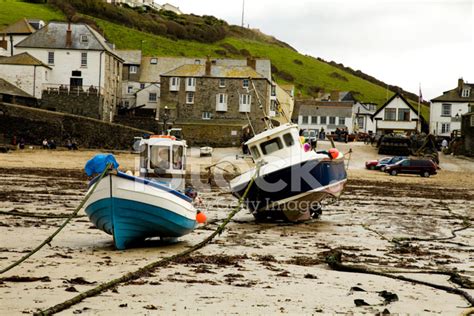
x=334, y=153
x=201, y=217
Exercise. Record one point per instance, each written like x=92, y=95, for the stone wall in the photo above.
x=36, y=124
x=79, y=103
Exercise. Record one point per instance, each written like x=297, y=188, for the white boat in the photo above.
x=292, y=180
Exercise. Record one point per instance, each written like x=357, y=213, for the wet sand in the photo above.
x=252, y=268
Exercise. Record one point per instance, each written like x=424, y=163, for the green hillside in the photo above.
x=308, y=74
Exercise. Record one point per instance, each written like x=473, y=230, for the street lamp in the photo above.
x=166, y=116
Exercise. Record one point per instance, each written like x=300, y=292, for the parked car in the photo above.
x=423, y=167
x=372, y=164
x=393, y=160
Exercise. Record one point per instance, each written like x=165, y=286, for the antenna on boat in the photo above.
x=266, y=119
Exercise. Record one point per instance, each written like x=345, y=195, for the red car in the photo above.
x=423, y=167
x=375, y=164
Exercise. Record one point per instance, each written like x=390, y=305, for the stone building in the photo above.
x=215, y=94
x=82, y=64
x=467, y=131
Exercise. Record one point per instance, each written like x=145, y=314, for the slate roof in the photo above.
x=454, y=95
x=130, y=57
x=325, y=108
x=10, y=89
x=22, y=59
x=216, y=72
x=53, y=35
x=19, y=27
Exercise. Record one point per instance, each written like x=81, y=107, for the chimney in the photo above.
x=208, y=66
x=460, y=85
x=69, y=35
x=252, y=63
x=335, y=96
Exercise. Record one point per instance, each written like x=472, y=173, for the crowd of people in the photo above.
x=45, y=144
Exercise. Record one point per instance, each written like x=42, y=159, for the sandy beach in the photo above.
x=252, y=268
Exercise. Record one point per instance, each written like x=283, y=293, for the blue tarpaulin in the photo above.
x=99, y=163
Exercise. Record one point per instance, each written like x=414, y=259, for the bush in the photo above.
x=338, y=76
x=286, y=76
x=230, y=48
x=298, y=62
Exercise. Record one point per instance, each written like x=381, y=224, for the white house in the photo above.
x=26, y=72
x=13, y=34
x=170, y=7
x=149, y=98
x=327, y=115
x=397, y=115
x=446, y=110
x=362, y=114
x=80, y=60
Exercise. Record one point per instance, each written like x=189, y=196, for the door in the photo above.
x=75, y=82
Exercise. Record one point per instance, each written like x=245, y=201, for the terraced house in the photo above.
x=216, y=94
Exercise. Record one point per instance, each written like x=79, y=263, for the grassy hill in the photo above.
x=308, y=74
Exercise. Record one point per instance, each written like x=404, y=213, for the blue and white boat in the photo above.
x=292, y=179
x=132, y=209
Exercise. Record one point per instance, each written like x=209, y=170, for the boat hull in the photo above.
x=132, y=209
x=307, y=184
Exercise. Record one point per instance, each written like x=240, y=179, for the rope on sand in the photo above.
x=151, y=266
x=48, y=240
x=36, y=215
x=334, y=260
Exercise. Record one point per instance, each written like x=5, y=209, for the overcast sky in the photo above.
x=401, y=42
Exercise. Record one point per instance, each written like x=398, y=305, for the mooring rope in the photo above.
x=151, y=266
x=48, y=240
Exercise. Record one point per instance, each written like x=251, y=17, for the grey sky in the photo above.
x=402, y=42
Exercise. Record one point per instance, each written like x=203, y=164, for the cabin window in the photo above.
x=271, y=146
x=255, y=152
x=178, y=159
x=160, y=157
x=288, y=138
x=144, y=156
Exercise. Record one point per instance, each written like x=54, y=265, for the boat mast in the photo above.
x=266, y=119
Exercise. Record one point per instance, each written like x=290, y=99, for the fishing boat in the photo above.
x=291, y=178
x=133, y=208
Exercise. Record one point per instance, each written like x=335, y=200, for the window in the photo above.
x=154, y=61
x=466, y=93
x=314, y=120
x=445, y=128
x=273, y=91
x=288, y=138
x=133, y=69
x=304, y=119
x=51, y=58
x=245, y=83
x=271, y=146
x=83, y=59
x=84, y=39
x=142, y=86
x=446, y=110
x=126, y=103
x=332, y=120
x=159, y=157
x=221, y=83
x=360, y=122
x=472, y=120
x=129, y=89
x=197, y=62
x=174, y=84
x=152, y=97
x=178, y=157
x=76, y=73
x=191, y=82
x=245, y=102
x=255, y=152
x=390, y=114
x=221, y=102
x=189, y=97
x=206, y=115
x=403, y=114
x=323, y=120
x=342, y=120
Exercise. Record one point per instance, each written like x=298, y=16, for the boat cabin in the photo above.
x=163, y=157
x=281, y=142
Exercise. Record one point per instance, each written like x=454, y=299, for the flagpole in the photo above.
x=418, y=127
